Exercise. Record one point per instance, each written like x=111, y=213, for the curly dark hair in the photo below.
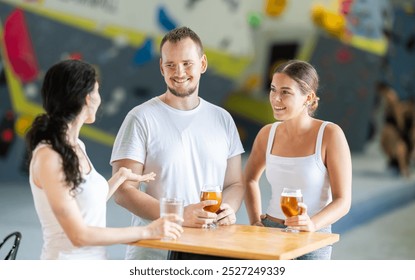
x=64, y=90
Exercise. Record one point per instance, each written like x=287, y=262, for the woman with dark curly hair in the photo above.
x=69, y=194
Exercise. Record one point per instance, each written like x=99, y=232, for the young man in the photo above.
x=187, y=141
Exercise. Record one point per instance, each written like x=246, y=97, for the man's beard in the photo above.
x=182, y=94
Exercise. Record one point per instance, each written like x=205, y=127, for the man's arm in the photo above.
x=130, y=197
x=233, y=191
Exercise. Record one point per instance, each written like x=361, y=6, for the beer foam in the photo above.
x=292, y=195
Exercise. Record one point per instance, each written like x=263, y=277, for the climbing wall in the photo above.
x=347, y=75
x=121, y=39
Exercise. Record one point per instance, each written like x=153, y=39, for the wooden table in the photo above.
x=244, y=242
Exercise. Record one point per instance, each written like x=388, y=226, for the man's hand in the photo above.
x=195, y=216
x=226, y=215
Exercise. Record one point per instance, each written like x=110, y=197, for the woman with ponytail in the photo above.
x=299, y=151
x=69, y=194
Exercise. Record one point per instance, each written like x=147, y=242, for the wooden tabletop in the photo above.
x=245, y=242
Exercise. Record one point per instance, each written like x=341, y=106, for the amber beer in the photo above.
x=211, y=195
x=289, y=203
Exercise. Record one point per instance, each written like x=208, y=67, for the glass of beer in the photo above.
x=211, y=192
x=289, y=204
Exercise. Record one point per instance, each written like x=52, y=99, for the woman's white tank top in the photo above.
x=91, y=200
x=307, y=173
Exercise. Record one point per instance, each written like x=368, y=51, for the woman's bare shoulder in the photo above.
x=334, y=134
x=46, y=157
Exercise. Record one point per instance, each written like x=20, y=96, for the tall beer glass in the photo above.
x=289, y=204
x=211, y=192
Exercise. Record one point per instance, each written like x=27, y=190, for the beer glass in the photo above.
x=289, y=204
x=211, y=192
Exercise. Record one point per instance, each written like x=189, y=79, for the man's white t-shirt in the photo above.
x=186, y=149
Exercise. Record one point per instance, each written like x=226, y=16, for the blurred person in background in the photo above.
x=397, y=135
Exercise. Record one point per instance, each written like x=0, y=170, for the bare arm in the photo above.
x=233, y=189
x=124, y=174
x=233, y=192
x=49, y=176
x=339, y=166
x=147, y=207
x=254, y=168
x=130, y=197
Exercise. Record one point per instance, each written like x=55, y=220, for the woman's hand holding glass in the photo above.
x=167, y=227
x=302, y=222
x=290, y=198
